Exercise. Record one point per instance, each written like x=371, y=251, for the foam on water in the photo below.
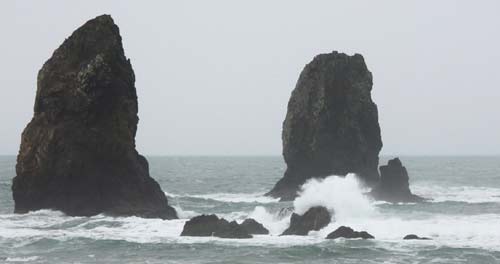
x=183, y=214
x=346, y=200
x=462, y=231
x=342, y=196
x=230, y=197
x=273, y=222
x=22, y=259
x=468, y=194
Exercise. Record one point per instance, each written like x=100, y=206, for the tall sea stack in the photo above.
x=78, y=152
x=331, y=127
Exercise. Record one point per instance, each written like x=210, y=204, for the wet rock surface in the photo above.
x=254, y=227
x=211, y=225
x=78, y=153
x=394, y=184
x=347, y=232
x=314, y=219
x=331, y=126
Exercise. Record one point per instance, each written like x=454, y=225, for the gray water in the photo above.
x=463, y=220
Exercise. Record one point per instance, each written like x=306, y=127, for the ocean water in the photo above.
x=463, y=219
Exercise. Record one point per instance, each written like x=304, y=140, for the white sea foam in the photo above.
x=184, y=214
x=469, y=194
x=272, y=222
x=21, y=259
x=230, y=197
x=343, y=196
x=448, y=230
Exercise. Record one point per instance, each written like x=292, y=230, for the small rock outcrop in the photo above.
x=314, y=219
x=211, y=225
x=331, y=126
x=415, y=237
x=254, y=227
x=347, y=232
x=394, y=184
x=78, y=153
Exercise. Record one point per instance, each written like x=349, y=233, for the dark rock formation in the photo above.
x=394, y=184
x=231, y=230
x=331, y=127
x=254, y=227
x=211, y=225
x=78, y=152
x=347, y=232
x=314, y=219
x=415, y=237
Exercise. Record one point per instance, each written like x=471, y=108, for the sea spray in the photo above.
x=462, y=220
x=184, y=214
x=342, y=196
x=272, y=221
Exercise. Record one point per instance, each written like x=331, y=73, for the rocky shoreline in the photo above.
x=78, y=155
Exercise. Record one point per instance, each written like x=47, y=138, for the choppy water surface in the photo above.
x=463, y=219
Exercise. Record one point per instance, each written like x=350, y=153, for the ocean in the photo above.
x=463, y=219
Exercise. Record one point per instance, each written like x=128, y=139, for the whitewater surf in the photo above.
x=461, y=219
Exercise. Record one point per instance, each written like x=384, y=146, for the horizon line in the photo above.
x=279, y=155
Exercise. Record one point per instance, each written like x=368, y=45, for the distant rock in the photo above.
x=347, y=232
x=254, y=227
x=415, y=237
x=211, y=225
x=394, y=184
x=331, y=127
x=314, y=219
x=78, y=153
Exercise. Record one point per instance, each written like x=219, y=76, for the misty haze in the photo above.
x=250, y=132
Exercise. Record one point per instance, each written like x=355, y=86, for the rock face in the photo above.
x=331, y=127
x=254, y=227
x=394, y=184
x=415, y=237
x=347, y=232
x=78, y=152
x=314, y=219
x=211, y=225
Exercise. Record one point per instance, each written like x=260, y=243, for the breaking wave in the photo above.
x=342, y=196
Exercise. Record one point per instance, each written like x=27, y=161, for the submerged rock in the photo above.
x=254, y=227
x=314, y=219
x=211, y=225
x=331, y=127
x=394, y=184
x=78, y=152
x=415, y=237
x=347, y=232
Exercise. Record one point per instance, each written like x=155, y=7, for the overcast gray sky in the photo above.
x=214, y=77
